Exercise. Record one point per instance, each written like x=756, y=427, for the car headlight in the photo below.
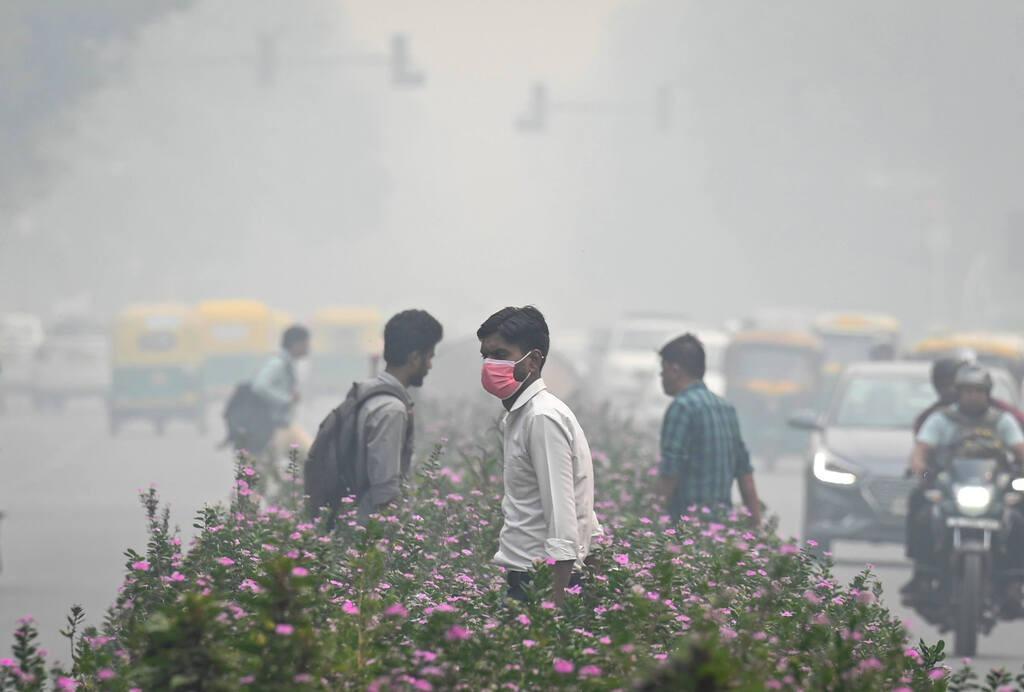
x=973, y=498
x=1018, y=485
x=827, y=468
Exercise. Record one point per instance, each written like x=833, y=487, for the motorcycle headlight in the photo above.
x=827, y=468
x=973, y=498
x=1018, y=485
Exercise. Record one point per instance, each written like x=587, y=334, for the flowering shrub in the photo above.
x=263, y=598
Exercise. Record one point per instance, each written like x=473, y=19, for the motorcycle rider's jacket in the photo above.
x=975, y=436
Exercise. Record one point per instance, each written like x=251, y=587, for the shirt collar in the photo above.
x=533, y=390
x=692, y=387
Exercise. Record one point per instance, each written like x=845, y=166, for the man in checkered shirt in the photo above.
x=702, y=451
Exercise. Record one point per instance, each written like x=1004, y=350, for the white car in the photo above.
x=73, y=362
x=630, y=372
x=20, y=335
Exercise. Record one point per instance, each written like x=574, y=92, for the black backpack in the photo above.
x=248, y=419
x=331, y=471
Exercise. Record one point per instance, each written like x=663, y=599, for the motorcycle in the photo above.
x=973, y=502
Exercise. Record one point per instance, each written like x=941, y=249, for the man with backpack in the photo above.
x=277, y=385
x=364, y=447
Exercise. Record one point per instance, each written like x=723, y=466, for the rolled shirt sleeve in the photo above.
x=552, y=456
x=673, y=440
x=932, y=432
x=385, y=436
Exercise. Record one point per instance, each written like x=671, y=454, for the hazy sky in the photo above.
x=814, y=150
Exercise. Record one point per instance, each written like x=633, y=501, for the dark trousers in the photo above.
x=517, y=582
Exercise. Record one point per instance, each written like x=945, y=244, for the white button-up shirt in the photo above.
x=549, y=483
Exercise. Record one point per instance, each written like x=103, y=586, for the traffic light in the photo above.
x=536, y=115
x=402, y=73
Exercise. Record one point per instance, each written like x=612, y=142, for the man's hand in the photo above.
x=563, y=573
x=748, y=491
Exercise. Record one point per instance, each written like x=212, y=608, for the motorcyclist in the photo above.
x=943, y=373
x=972, y=413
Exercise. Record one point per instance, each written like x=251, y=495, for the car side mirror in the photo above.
x=805, y=420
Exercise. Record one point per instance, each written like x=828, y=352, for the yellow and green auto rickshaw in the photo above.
x=156, y=374
x=347, y=345
x=853, y=337
x=235, y=337
x=999, y=349
x=769, y=375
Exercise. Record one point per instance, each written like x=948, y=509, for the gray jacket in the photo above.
x=385, y=443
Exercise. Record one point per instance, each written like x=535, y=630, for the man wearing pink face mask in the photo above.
x=548, y=506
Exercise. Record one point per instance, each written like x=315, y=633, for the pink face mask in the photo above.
x=498, y=377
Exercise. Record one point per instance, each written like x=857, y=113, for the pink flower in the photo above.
x=67, y=683
x=937, y=673
x=247, y=680
x=225, y=561
x=589, y=672
x=300, y=572
x=141, y=565
x=606, y=640
x=457, y=633
x=563, y=666
x=6, y=662
x=303, y=677
x=523, y=619
x=786, y=614
x=177, y=576
x=547, y=605
x=106, y=674
x=397, y=610
x=284, y=629
x=529, y=643
x=866, y=597
x=349, y=608
x=622, y=559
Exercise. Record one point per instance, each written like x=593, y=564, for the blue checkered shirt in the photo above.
x=702, y=448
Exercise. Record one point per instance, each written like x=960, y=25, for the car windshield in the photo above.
x=847, y=348
x=779, y=363
x=883, y=401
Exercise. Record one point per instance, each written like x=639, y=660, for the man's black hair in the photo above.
x=295, y=334
x=525, y=327
x=687, y=352
x=408, y=332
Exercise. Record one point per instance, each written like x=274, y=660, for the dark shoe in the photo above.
x=1013, y=607
x=915, y=590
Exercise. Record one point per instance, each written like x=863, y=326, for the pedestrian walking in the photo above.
x=702, y=451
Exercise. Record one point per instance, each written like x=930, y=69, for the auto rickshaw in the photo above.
x=235, y=337
x=347, y=345
x=769, y=375
x=156, y=367
x=853, y=337
x=1001, y=349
